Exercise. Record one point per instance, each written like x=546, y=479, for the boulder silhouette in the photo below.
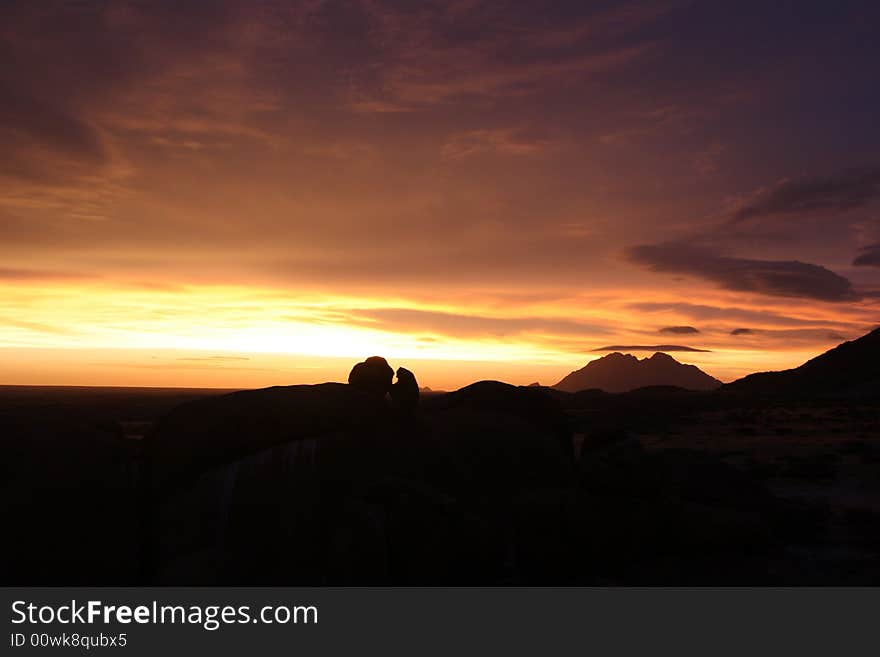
x=373, y=375
x=405, y=393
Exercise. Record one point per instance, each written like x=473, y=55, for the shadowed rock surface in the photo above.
x=220, y=429
x=441, y=496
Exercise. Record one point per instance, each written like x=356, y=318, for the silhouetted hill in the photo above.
x=624, y=372
x=849, y=368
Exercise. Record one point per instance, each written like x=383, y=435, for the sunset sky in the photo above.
x=238, y=194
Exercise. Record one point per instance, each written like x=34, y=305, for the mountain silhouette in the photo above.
x=619, y=372
x=849, y=368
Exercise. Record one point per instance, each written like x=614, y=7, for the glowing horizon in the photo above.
x=226, y=336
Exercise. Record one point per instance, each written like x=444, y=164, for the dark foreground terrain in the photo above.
x=491, y=484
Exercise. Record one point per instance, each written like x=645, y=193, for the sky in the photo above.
x=238, y=194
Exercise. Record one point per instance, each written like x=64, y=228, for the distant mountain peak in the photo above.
x=616, y=355
x=618, y=372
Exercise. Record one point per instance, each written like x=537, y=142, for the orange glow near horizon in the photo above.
x=238, y=336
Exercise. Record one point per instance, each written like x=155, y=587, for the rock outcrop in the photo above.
x=373, y=375
x=405, y=393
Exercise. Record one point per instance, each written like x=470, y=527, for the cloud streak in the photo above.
x=679, y=330
x=783, y=278
x=41, y=275
x=704, y=312
x=851, y=189
x=869, y=257
x=462, y=325
x=654, y=347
